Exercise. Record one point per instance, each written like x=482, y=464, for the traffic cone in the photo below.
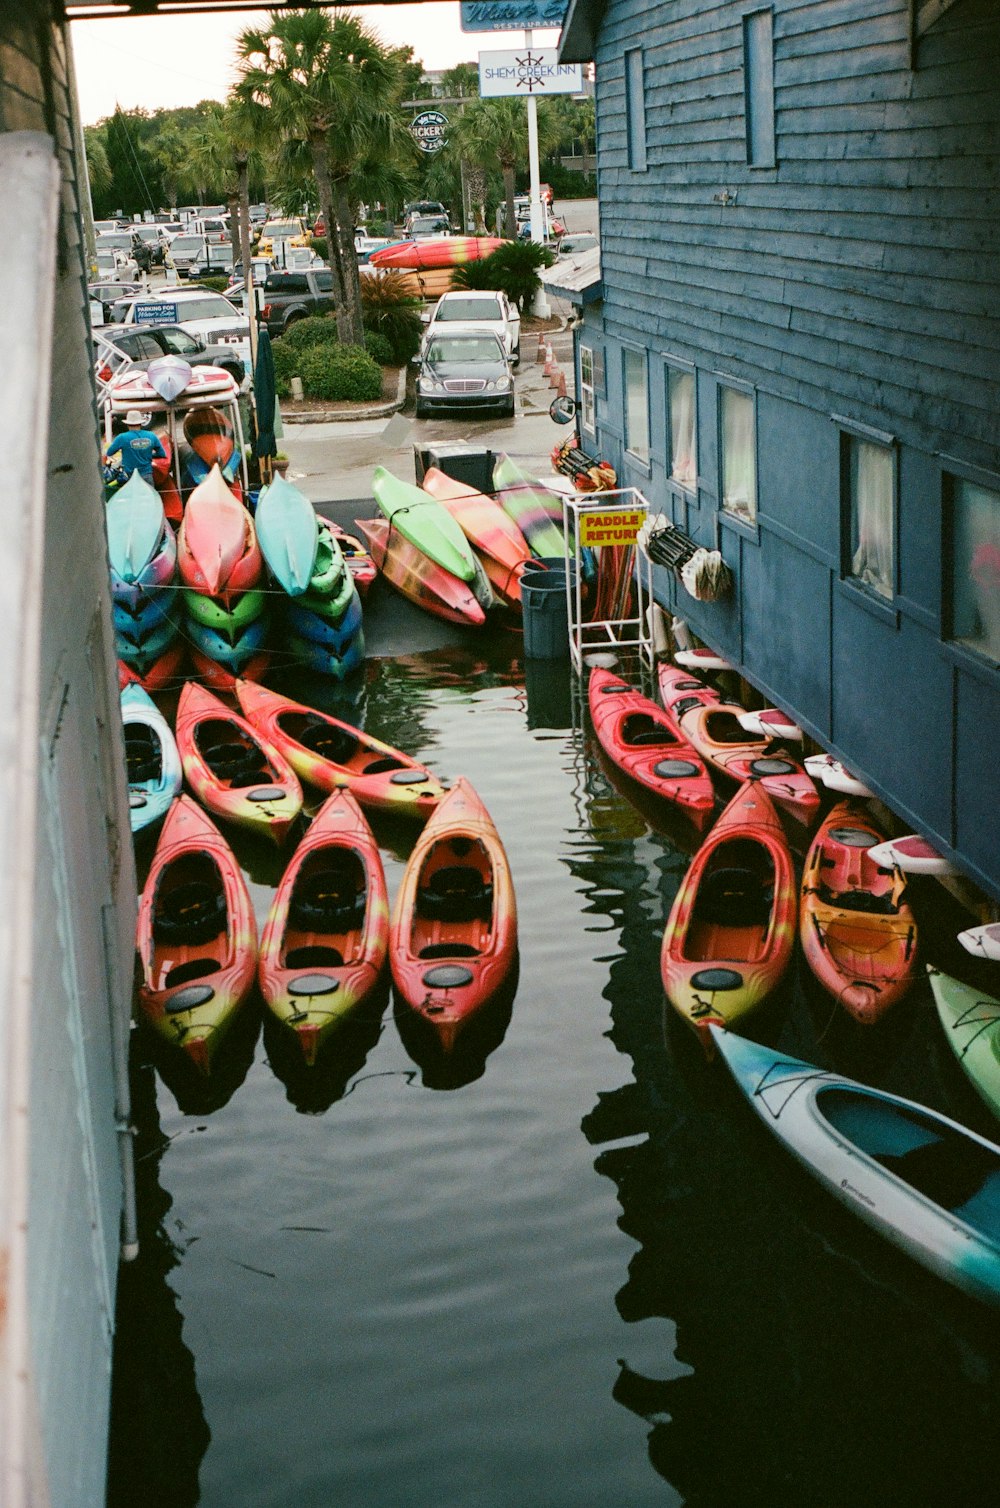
x=540, y=356
x=561, y=385
x=547, y=368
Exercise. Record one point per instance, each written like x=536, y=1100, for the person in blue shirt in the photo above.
x=138, y=446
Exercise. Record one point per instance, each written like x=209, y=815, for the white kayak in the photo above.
x=700, y=659
x=982, y=942
x=912, y=854
x=834, y=776
x=770, y=722
x=927, y=1184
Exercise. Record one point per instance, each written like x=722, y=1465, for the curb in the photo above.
x=344, y=415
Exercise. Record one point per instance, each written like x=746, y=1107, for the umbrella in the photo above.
x=263, y=383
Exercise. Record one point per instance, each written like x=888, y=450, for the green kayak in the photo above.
x=331, y=584
x=214, y=614
x=971, y=1020
x=422, y=520
x=536, y=511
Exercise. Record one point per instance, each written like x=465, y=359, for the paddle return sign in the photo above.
x=527, y=70
x=618, y=526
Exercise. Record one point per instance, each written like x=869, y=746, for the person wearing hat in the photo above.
x=137, y=445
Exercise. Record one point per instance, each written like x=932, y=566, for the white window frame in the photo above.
x=741, y=390
x=642, y=457
x=676, y=369
x=588, y=396
x=862, y=566
x=985, y=589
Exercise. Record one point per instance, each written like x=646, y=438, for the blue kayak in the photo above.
x=135, y=519
x=233, y=653
x=153, y=763
x=288, y=535
x=325, y=661
x=319, y=630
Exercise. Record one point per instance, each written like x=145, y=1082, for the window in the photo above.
x=870, y=473
x=758, y=87
x=976, y=567
x=738, y=458
x=636, y=404
x=588, y=407
x=681, y=418
x=180, y=343
x=635, y=109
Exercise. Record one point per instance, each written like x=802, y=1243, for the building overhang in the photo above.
x=578, y=39
x=576, y=279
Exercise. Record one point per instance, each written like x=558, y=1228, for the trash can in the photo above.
x=544, y=615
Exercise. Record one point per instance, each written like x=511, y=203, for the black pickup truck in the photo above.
x=288, y=296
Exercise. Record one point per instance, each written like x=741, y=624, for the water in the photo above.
x=574, y=1270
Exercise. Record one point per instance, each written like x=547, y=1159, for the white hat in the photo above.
x=135, y=418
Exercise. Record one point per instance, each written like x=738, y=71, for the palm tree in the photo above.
x=224, y=150
x=495, y=131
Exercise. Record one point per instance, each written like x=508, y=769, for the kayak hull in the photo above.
x=418, y=578
x=288, y=534
x=232, y=769
x=217, y=549
x=424, y=522
x=535, y=510
x=971, y=1021
x=444, y=251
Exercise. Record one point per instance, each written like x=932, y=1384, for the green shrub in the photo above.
x=378, y=348
x=321, y=246
x=389, y=309
x=286, y=366
x=313, y=330
x=513, y=268
x=213, y=284
x=345, y=373
x=381, y=228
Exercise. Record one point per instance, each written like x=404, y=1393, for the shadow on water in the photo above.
x=466, y=1061
x=197, y=1093
x=312, y=1090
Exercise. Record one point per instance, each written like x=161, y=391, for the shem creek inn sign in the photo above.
x=429, y=130
x=527, y=70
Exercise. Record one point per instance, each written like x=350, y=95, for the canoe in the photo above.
x=983, y=941
x=228, y=618
x=217, y=549
x=417, y=577
x=356, y=558
x=288, y=534
x=645, y=743
x=157, y=676
x=230, y=650
x=535, y=510
x=326, y=938
x=152, y=762
x=333, y=634
x=135, y=523
x=487, y=528
x=196, y=936
x=219, y=678
x=435, y=251
x=420, y=519
x=927, y=1184
x=834, y=776
x=971, y=1021
x=713, y=727
x=731, y=930
x=453, y=932
x=233, y=770
x=333, y=755
x=335, y=663
x=913, y=855
x=155, y=576
x=858, y=933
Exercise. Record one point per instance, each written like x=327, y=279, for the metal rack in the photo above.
x=627, y=510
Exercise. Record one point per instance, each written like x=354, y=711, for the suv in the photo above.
x=290, y=296
x=473, y=312
x=146, y=343
x=197, y=311
x=288, y=228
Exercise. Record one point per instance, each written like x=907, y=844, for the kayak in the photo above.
x=196, y=936
x=164, y=482
x=136, y=625
x=834, y=776
x=435, y=251
x=333, y=634
x=331, y=586
x=135, y=390
x=420, y=519
x=157, y=676
x=713, y=727
x=913, y=855
x=217, y=549
x=288, y=534
x=326, y=938
x=453, y=933
x=143, y=655
x=333, y=755
x=231, y=650
x=356, y=558
x=731, y=930
x=324, y=659
x=232, y=769
x=228, y=619
x=417, y=577
x=858, y=933
x=152, y=762
x=154, y=577
x=971, y=1020
x=488, y=529
x=219, y=678
x=135, y=524
x=647, y=745
x=927, y=1184
x=209, y=432
x=983, y=941
x=535, y=510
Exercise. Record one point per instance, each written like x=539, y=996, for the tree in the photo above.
x=98, y=166
x=461, y=82
x=224, y=149
x=496, y=131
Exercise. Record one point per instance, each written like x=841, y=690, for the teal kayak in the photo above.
x=135, y=527
x=288, y=535
x=331, y=585
x=971, y=1021
x=425, y=523
x=532, y=507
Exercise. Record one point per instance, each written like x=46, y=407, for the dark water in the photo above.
x=572, y=1270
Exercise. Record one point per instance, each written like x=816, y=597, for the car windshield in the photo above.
x=212, y=306
x=282, y=228
x=117, y=242
x=186, y=243
x=179, y=342
x=454, y=348
x=147, y=232
x=469, y=308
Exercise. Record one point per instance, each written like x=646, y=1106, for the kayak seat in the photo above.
x=326, y=741
x=191, y=913
x=456, y=893
x=383, y=765
x=733, y=898
x=194, y=968
x=449, y=950
x=237, y=763
x=327, y=901
x=642, y=730
x=142, y=756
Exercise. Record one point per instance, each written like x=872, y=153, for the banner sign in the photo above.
x=428, y=130
x=528, y=70
x=618, y=526
x=512, y=15
x=155, y=314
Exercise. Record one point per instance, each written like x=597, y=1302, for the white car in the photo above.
x=475, y=312
x=196, y=310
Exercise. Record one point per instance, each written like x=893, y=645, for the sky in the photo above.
x=161, y=61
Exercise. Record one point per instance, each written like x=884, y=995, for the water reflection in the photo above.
x=197, y=1093
x=312, y=1090
x=465, y=1062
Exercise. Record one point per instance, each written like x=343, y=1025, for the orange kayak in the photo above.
x=421, y=580
x=326, y=938
x=435, y=251
x=217, y=549
x=731, y=930
x=502, y=546
x=196, y=936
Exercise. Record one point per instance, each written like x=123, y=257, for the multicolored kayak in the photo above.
x=488, y=529
x=647, y=745
x=232, y=769
x=435, y=251
x=217, y=549
x=921, y=1180
x=326, y=937
x=453, y=933
x=151, y=758
x=288, y=534
x=154, y=577
x=229, y=618
x=157, y=676
x=423, y=521
x=356, y=557
x=971, y=1021
x=421, y=580
x=332, y=755
x=135, y=523
x=219, y=678
x=731, y=930
x=196, y=936
x=231, y=648
x=857, y=930
x=535, y=510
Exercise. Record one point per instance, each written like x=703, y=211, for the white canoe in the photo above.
x=135, y=390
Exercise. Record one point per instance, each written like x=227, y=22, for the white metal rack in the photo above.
x=632, y=633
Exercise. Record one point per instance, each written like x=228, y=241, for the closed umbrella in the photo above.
x=265, y=444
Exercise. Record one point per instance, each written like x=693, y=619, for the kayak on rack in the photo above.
x=435, y=251
x=232, y=649
x=228, y=619
x=423, y=582
x=288, y=534
x=535, y=510
x=647, y=745
x=913, y=855
x=152, y=762
x=971, y=1021
x=731, y=930
x=487, y=527
x=834, y=776
x=135, y=524
x=424, y=522
x=326, y=938
x=453, y=933
x=155, y=576
x=219, y=678
x=325, y=659
x=156, y=676
x=196, y=935
x=217, y=549
x=335, y=634
x=858, y=933
x=927, y=1184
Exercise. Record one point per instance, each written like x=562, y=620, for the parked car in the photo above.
x=107, y=292
x=465, y=370
x=212, y=261
x=150, y=237
x=197, y=311
x=574, y=246
x=111, y=263
x=261, y=267
x=146, y=343
x=423, y=207
x=476, y=312
x=290, y=296
x=288, y=228
x=420, y=227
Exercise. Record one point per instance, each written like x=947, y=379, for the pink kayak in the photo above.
x=419, y=578
x=488, y=529
x=217, y=549
x=436, y=251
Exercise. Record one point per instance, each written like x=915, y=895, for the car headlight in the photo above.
x=429, y=384
x=502, y=384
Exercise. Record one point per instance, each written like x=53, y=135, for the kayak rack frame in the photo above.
x=617, y=515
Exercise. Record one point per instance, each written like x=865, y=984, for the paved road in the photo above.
x=577, y=214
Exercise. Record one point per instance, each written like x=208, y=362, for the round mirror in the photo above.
x=563, y=410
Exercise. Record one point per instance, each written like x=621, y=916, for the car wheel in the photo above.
x=421, y=410
x=515, y=355
x=508, y=409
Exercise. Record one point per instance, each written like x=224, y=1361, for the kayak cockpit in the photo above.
x=733, y=904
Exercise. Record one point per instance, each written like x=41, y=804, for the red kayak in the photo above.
x=217, y=549
x=502, y=546
x=357, y=558
x=196, y=936
x=333, y=755
x=453, y=934
x=161, y=674
x=219, y=678
x=421, y=580
x=327, y=935
x=163, y=481
x=712, y=724
x=647, y=745
x=435, y=251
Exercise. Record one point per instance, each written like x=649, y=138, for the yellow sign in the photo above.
x=618, y=526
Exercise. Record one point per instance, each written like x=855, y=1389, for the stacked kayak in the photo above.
x=324, y=622
x=425, y=523
x=153, y=764
x=491, y=532
x=534, y=508
x=971, y=1021
x=359, y=562
x=435, y=251
x=221, y=566
x=422, y=581
x=142, y=550
x=646, y=744
x=211, y=442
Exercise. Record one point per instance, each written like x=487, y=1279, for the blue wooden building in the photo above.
x=793, y=348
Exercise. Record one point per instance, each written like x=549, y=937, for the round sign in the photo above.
x=428, y=130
